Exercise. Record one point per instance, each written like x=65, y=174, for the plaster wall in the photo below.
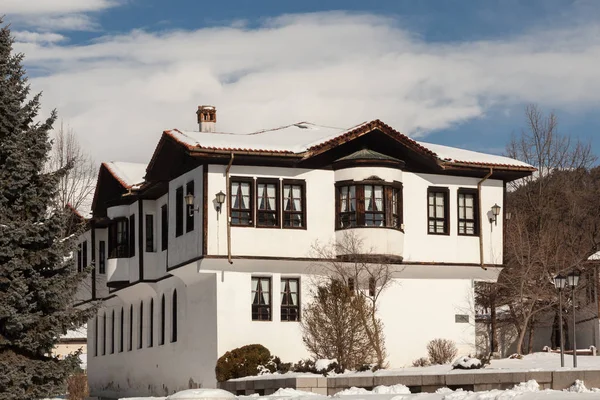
x=419, y=246
x=159, y=369
x=188, y=245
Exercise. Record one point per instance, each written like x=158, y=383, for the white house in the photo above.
x=182, y=284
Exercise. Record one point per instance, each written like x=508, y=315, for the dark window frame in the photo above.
x=84, y=257
x=122, y=331
x=235, y=220
x=79, y=258
x=163, y=317
x=174, y=316
x=446, y=219
x=141, y=327
x=130, y=344
x=149, y=232
x=189, y=210
x=132, y=235
x=151, y=327
x=277, y=212
x=291, y=312
x=96, y=336
x=258, y=313
x=118, y=240
x=102, y=257
x=112, y=333
x=392, y=215
x=476, y=219
x=287, y=215
x=104, y=334
x=179, y=210
x=164, y=227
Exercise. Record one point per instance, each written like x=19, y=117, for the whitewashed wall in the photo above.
x=421, y=247
x=160, y=369
x=188, y=245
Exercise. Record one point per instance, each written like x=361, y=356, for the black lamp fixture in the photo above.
x=495, y=213
x=189, y=201
x=573, y=278
x=560, y=281
x=573, y=281
x=220, y=198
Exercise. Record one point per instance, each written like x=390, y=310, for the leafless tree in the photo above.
x=77, y=186
x=332, y=326
x=554, y=222
x=366, y=273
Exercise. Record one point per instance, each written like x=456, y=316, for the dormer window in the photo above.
x=370, y=203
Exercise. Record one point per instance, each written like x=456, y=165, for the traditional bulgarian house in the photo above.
x=207, y=248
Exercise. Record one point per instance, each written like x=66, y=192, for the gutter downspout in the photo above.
x=227, y=189
x=481, y=263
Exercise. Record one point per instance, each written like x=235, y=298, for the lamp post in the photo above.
x=559, y=283
x=573, y=281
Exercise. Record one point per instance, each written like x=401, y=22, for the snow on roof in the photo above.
x=304, y=136
x=294, y=138
x=79, y=333
x=594, y=257
x=129, y=174
x=454, y=154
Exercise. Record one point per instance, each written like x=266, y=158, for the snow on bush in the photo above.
x=198, y=394
x=394, y=389
x=324, y=364
x=579, y=387
x=467, y=363
x=287, y=392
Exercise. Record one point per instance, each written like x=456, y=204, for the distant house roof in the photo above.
x=305, y=137
x=130, y=175
x=79, y=333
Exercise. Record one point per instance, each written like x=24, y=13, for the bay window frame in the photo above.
x=116, y=249
x=288, y=306
x=391, y=211
x=261, y=306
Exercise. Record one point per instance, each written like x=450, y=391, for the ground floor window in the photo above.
x=290, y=299
x=261, y=299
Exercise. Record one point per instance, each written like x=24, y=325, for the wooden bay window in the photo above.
x=374, y=204
x=118, y=239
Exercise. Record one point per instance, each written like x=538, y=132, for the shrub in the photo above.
x=441, y=351
x=77, y=386
x=421, y=362
x=244, y=361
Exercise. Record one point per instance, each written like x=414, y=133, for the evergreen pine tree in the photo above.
x=37, y=279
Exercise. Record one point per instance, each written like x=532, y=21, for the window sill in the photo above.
x=370, y=227
x=439, y=233
x=474, y=235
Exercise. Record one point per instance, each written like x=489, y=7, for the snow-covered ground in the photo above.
x=524, y=391
x=533, y=362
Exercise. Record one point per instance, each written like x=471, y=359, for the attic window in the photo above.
x=373, y=178
x=301, y=126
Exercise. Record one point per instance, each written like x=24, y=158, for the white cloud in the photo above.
x=37, y=37
x=62, y=15
x=337, y=69
x=20, y=7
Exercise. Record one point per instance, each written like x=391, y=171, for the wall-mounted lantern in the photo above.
x=220, y=198
x=495, y=213
x=189, y=201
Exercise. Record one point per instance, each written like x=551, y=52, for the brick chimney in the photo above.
x=207, y=118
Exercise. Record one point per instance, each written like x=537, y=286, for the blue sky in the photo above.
x=453, y=72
